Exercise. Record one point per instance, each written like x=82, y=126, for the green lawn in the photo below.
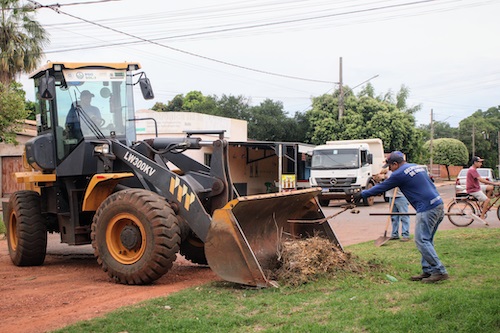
x=2, y=226
x=366, y=301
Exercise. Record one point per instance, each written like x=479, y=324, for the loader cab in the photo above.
x=81, y=102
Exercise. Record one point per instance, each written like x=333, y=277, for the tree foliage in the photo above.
x=176, y=104
x=268, y=121
x=236, y=107
x=21, y=41
x=192, y=100
x=448, y=151
x=159, y=107
x=366, y=116
x=12, y=111
x=484, y=127
x=441, y=130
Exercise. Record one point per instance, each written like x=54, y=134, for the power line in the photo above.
x=180, y=50
x=155, y=40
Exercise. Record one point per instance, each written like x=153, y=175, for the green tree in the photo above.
x=31, y=108
x=192, y=99
x=176, y=104
x=230, y=106
x=448, y=151
x=366, y=117
x=12, y=111
x=484, y=125
x=268, y=122
x=21, y=41
x=297, y=128
x=441, y=130
x=159, y=107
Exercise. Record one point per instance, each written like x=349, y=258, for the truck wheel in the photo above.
x=135, y=236
x=26, y=229
x=193, y=249
x=371, y=200
x=324, y=202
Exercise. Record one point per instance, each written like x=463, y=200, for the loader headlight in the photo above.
x=102, y=149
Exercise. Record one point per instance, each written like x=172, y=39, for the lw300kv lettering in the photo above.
x=139, y=164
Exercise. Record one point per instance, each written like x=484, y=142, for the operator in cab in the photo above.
x=74, y=126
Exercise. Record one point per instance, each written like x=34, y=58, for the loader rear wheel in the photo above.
x=193, y=249
x=26, y=230
x=135, y=236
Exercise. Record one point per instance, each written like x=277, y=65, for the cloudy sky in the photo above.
x=447, y=52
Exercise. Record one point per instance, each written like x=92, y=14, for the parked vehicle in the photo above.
x=485, y=173
x=342, y=167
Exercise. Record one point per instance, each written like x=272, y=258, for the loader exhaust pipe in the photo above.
x=245, y=236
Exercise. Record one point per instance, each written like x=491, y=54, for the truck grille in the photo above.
x=335, y=182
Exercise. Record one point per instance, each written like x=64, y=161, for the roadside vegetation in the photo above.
x=2, y=226
x=374, y=300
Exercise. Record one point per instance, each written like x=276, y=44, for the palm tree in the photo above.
x=21, y=40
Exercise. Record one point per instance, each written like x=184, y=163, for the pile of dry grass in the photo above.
x=305, y=260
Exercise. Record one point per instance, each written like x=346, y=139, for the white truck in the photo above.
x=342, y=167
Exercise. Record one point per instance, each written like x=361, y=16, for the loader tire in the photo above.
x=26, y=229
x=193, y=249
x=135, y=236
x=324, y=202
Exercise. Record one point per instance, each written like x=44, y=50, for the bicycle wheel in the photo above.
x=459, y=213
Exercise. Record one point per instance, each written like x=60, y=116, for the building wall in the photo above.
x=454, y=171
x=175, y=123
x=11, y=160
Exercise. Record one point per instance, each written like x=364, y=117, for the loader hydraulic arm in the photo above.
x=195, y=193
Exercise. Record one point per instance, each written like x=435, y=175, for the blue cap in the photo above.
x=395, y=156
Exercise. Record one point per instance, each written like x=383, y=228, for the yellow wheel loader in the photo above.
x=139, y=203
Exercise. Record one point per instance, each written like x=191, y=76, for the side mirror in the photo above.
x=369, y=158
x=47, y=87
x=146, y=89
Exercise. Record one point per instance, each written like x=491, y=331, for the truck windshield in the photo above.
x=335, y=159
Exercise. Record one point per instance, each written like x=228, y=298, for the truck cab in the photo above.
x=341, y=168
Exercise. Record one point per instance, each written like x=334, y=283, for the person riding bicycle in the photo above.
x=473, y=187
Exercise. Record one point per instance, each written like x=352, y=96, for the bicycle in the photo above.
x=464, y=210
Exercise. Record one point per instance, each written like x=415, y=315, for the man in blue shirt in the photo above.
x=420, y=191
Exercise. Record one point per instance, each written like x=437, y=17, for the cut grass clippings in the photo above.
x=310, y=259
x=366, y=301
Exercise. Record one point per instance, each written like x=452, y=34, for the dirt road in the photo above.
x=70, y=286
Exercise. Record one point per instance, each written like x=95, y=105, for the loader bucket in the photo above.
x=244, y=237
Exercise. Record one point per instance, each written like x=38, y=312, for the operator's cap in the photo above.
x=477, y=159
x=395, y=156
x=86, y=93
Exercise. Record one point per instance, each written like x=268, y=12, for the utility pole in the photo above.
x=432, y=137
x=498, y=142
x=341, y=91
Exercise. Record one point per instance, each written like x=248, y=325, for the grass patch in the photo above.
x=367, y=302
x=2, y=226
